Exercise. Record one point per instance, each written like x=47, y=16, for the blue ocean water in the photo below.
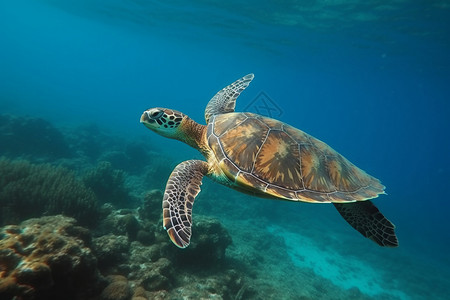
x=370, y=78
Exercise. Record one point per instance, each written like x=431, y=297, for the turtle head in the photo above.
x=163, y=121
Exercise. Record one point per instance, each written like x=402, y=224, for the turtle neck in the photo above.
x=192, y=133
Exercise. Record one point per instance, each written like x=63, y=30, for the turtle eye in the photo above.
x=155, y=113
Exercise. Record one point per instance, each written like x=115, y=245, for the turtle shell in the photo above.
x=263, y=155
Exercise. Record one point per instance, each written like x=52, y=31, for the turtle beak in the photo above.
x=145, y=118
x=148, y=121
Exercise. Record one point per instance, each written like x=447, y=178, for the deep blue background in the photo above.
x=372, y=79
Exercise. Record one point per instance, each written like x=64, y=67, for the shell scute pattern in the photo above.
x=250, y=181
x=278, y=161
x=282, y=161
x=242, y=143
x=221, y=125
x=271, y=123
x=231, y=169
x=314, y=165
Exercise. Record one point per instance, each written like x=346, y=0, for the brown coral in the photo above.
x=116, y=290
x=47, y=258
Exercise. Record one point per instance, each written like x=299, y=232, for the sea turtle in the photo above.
x=264, y=157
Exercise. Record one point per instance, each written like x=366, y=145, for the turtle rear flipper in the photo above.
x=181, y=189
x=369, y=221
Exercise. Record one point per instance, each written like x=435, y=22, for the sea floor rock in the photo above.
x=208, y=243
x=117, y=289
x=110, y=250
x=47, y=258
x=120, y=222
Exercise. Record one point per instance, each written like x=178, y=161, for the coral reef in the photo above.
x=108, y=184
x=223, y=284
x=150, y=208
x=157, y=268
x=120, y=222
x=90, y=142
x=110, y=250
x=31, y=137
x=208, y=243
x=133, y=157
x=140, y=294
x=52, y=258
x=31, y=190
x=93, y=144
x=156, y=173
x=117, y=289
x=157, y=276
x=47, y=258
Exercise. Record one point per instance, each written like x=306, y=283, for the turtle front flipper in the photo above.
x=225, y=100
x=369, y=221
x=181, y=189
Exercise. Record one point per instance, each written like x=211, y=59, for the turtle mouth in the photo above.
x=145, y=118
